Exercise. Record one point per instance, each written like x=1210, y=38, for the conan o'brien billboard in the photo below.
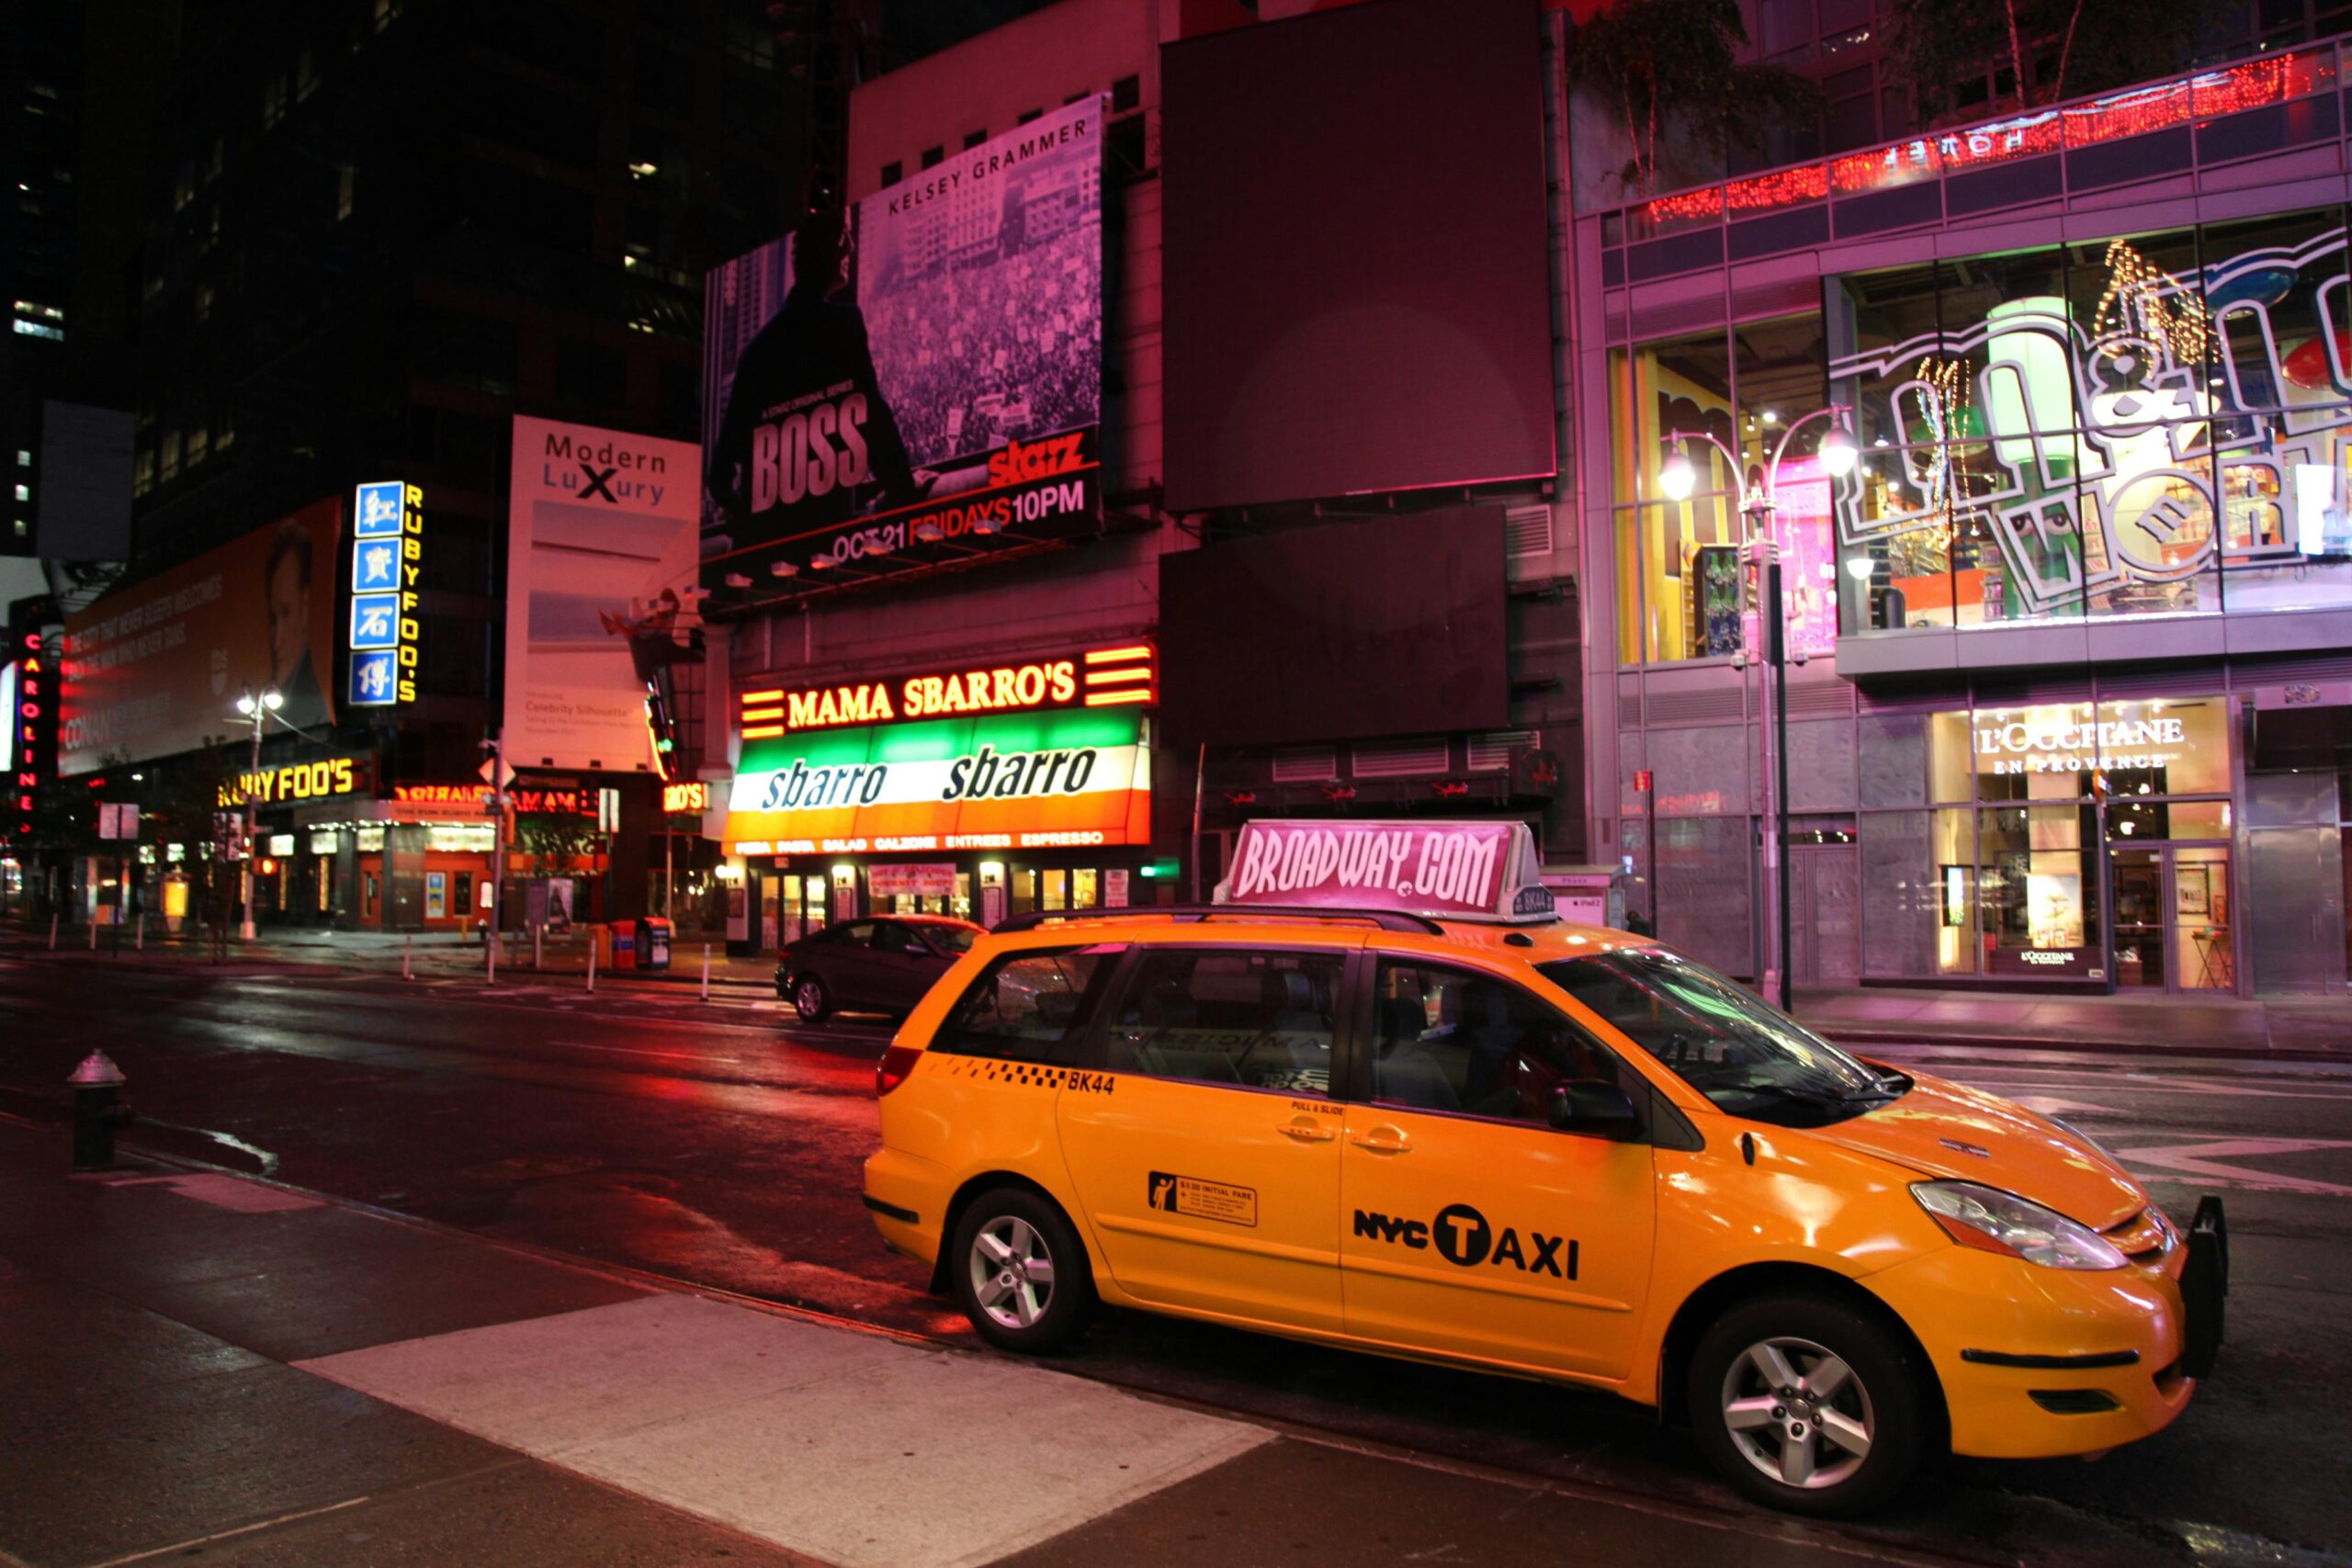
x=914, y=381
x=156, y=667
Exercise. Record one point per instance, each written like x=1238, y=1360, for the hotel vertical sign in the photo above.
x=387, y=565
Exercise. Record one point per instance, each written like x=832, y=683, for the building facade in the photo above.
x=2069, y=643
x=1168, y=783
x=372, y=234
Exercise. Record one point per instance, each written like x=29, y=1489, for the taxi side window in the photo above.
x=1029, y=1006
x=1254, y=1020
x=1448, y=1039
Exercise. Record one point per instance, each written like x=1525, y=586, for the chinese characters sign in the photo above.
x=387, y=565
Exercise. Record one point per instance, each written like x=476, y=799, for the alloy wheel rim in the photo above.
x=807, y=996
x=1012, y=1273
x=1798, y=1412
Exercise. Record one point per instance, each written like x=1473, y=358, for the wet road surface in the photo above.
x=720, y=1143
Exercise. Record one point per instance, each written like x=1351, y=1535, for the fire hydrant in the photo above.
x=96, y=1112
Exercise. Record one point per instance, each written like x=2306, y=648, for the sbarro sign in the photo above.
x=1453, y=870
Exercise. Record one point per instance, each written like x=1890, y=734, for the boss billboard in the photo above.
x=916, y=381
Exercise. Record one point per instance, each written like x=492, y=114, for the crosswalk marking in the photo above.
x=859, y=1450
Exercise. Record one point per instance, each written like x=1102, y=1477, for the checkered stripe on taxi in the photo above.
x=1028, y=1075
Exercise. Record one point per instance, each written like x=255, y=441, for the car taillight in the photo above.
x=892, y=1069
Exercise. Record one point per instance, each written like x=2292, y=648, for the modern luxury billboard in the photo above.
x=915, y=382
x=156, y=667
x=600, y=573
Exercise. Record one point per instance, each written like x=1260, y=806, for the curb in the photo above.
x=2008, y=1043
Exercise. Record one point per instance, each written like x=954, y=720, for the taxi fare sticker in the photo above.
x=1203, y=1199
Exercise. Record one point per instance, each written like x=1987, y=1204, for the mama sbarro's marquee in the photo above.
x=1072, y=778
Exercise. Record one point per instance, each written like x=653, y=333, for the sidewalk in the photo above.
x=2284, y=1028
x=231, y=1371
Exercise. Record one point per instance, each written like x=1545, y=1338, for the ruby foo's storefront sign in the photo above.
x=299, y=781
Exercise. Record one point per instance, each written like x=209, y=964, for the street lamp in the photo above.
x=1678, y=479
x=258, y=709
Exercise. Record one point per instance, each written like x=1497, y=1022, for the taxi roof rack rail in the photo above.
x=1386, y=920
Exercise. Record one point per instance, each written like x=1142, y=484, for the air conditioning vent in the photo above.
x=1820, y=699
x=1305, y=764
x=1719, y=706
x=1527, y=531
x=1491, y=753
x=1400, y=758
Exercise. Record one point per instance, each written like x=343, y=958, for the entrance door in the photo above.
x=2171, y=918
x=1825, y=903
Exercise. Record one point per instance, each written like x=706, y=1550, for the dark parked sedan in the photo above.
x=883, y=964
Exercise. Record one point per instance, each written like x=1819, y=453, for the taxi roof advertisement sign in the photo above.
x=916, y=379
x=1453, y=870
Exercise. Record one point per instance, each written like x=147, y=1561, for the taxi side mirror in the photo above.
x=1593, y=1106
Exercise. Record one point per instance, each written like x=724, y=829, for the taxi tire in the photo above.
x=1902, y=1413
x=810, y=999
x=1071, y=1300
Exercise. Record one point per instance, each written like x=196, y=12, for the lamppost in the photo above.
x=1758, y=505
x=258, y=709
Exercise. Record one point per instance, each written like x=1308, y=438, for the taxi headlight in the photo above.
x=2001, y=1221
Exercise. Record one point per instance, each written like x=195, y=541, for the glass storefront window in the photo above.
x=1953, y=893
x=1083, y=889
x=2038, y=893
x=2045, y=752
x=2178, y=746
x=2153, y=425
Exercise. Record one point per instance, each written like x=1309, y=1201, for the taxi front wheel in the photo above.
x=1806, y=1404
x=1021, y=1272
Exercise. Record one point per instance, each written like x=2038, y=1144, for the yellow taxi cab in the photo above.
x=1378, y=1097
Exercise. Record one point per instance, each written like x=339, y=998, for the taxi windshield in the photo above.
x=1749, y=1058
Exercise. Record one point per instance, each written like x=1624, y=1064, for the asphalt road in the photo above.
x=720, y=1143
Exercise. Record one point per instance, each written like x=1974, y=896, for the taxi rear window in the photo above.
x=1030, y=1007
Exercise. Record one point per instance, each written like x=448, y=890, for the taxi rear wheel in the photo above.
x=1020, y=1271
x=1808, y=1405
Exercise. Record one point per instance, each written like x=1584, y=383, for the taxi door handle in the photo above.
x=1383, y=1141
x=1306, y=1130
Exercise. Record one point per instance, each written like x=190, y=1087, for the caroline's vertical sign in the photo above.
x=29, y=708
x=387, y=563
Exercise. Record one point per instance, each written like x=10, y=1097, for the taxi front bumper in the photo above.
x=2039, y=1363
